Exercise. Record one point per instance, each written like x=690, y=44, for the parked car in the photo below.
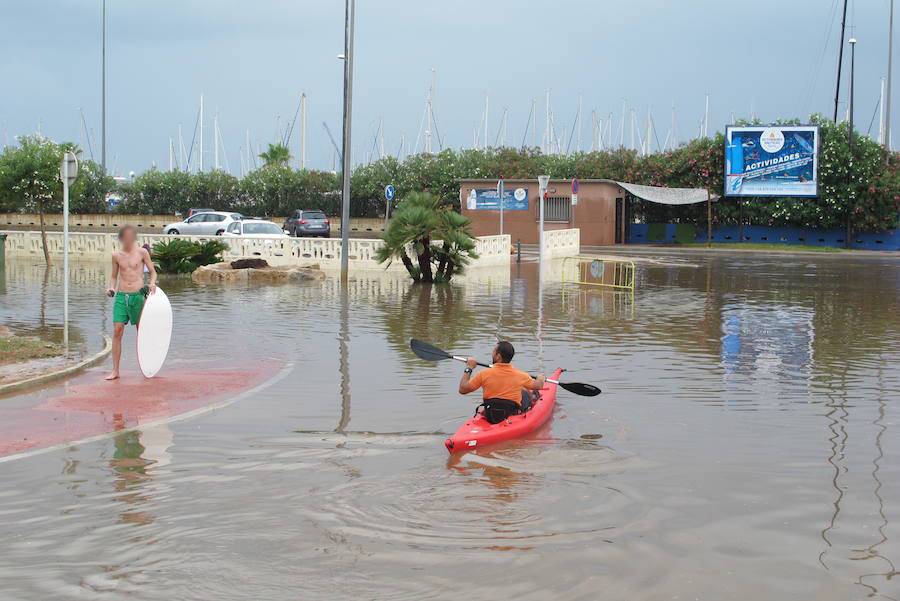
x=307, y=223
x=207, y=223
x=192, y=212
x=254, y=228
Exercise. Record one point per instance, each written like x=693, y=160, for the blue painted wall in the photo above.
x=889, y=240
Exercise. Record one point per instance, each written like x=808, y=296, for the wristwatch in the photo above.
x=467, y=370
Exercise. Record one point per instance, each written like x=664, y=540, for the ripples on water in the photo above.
x=743, y=447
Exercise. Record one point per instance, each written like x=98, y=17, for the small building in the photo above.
x=602, y=213
x=599, y=213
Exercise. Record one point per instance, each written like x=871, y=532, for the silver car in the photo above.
x=254, y=228
x=210, y=223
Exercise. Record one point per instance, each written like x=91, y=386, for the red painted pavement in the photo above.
x=89, y=405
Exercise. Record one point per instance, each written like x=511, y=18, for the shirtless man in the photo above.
x=128, y=266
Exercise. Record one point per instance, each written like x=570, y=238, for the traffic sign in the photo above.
x=575, y=186
x=389, y=192
x=68, y=168
x=574, y=199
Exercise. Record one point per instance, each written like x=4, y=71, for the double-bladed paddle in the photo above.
x=429, y=352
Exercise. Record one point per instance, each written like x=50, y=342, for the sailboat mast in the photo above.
x=486, y=110
x=706, y=119
x=533, y=122
x=578, y=126
x=547, y=140
x=429, y=114
x=216, y=140
x=182, y=150
x=649, y=132
x=632, y=129
x=881, y=114
x=303, y=130
x=200, y=154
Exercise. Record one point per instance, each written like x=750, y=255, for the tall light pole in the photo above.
x=543, y=182
x=837, y=87
x=103, y=86
x=852, y=42
x=887, y=101
x=345, y=158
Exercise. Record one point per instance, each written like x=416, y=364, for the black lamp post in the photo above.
x=852, y=42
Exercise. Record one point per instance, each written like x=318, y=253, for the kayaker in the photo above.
x=506, y=390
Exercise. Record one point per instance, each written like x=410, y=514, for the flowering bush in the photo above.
x=864, y=188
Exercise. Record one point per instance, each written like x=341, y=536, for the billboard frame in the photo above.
x=784, y=127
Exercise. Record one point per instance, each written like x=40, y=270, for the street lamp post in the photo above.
x=345, y=158
x=103, y=87
x=852, y=42
x=887, y=102
x=543, y=181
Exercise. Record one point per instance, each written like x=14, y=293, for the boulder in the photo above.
x=249, y=263
x=224, y=272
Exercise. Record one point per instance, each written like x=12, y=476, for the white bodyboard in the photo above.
x=154, y=333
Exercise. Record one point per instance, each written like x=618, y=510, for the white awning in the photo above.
x=668, y=196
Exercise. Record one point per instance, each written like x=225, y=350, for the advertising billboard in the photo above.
x=771, y=160
x=515, y=199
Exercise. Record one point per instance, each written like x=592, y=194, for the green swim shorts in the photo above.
x=128, y=307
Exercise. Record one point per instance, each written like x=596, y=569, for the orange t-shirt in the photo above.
x=502, y=381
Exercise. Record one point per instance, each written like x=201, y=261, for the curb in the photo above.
x=646, y=249
x=60, y=373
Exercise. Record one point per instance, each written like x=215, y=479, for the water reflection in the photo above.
x=344, y=360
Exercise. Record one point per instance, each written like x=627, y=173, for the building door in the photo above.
x=621, y=236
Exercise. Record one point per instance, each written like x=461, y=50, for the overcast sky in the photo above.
x=252, y=59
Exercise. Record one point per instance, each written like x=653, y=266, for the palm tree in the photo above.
x=276, y=155
x=458, y=245
x=420, y=219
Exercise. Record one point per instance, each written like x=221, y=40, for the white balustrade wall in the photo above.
x=562, y=243
x=325, y=252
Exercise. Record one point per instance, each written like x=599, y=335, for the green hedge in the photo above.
x=869, y=194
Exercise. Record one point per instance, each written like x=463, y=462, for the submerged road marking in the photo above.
x=157, y=422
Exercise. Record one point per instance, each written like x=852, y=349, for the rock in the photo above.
x=249, y=263
x=267, y=275
x=4, y=331
x=219, y=272
x=223, y=272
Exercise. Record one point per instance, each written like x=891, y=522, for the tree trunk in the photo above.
x=425, y=260
x=849, y=232
x=442, y=266
x=407, y=262
x=44, y=233
x=448, y=271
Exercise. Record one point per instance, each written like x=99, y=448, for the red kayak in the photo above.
x=478, y=432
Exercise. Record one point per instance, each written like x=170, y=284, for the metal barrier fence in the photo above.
x=599, y=271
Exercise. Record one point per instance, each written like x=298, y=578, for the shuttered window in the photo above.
x=556, y=208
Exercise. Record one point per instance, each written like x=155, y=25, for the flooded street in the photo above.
x=745, y=446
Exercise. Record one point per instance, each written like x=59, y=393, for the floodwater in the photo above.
x=745, y=446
